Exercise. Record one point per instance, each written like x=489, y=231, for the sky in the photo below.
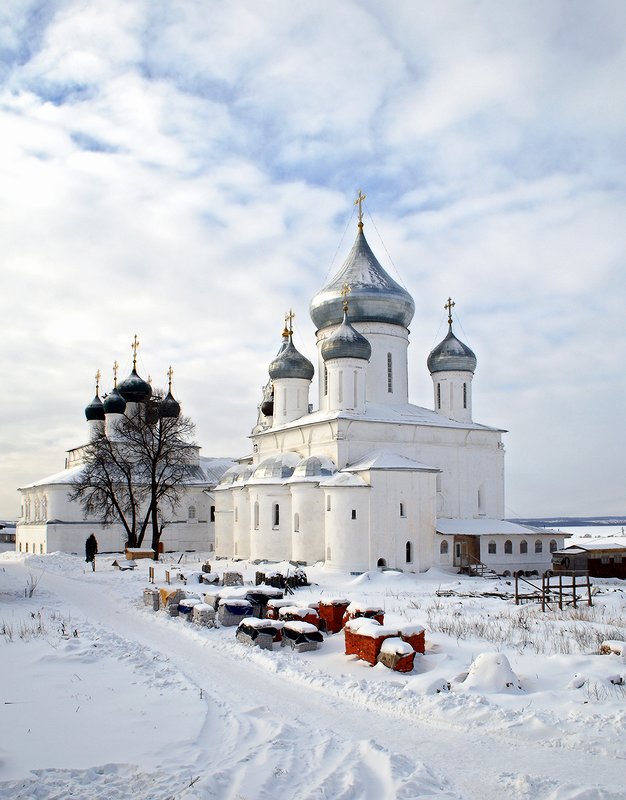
x=186, y=172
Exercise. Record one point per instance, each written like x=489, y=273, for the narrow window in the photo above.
x=236, y=548
x=389, y=373
x=276, y=515
x=552, y=545
x=256, y=516
x=451, y=395
x=354, y=513
x=20, y=547
x=491, y=548
x=236, y=514
x=27, y=547
x=523, y=547
x=328, y=503
x=284, y=402
x=212, y=512
x=354, y=388
x=191, y=512
x=41, y=548
x=296, y=522
x=325, y=379
x=508, y=547
x=457, y=550
x=340, y=387
x=438, y=395
x=538, y=546
x=328, y=553
x=464, y=395
x=402, y=513
x=409, y=553
x=443, y=548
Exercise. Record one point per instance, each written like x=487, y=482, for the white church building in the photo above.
x=369, y=480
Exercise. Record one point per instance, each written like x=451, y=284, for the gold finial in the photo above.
x=449, y=306
x=98, y=376
x=345, y=291
x=170, y=374
x=359, y=202
x=134, y=347
x=116, y=366
x=289, y=318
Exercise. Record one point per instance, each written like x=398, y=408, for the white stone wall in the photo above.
x=347, y=541
x=269, y=540
x=450, y=399
x=241, y=522
x=307, y=543
x=291, y=400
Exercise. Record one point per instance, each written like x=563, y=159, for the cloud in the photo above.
x=186, y=172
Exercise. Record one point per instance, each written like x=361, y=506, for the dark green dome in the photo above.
x=134, y=389
x=169, y=406
x=95, y=410
x=114, y=403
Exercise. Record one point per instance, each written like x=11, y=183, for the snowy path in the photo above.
x=265, y=735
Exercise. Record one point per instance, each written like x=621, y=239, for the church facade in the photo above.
x=369, y=480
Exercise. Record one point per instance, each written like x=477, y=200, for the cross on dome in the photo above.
x=170, y=375
x=345, y=291
x=116, y=366
x=449, y=306
x=98, y=376
x=359, y=202
x=134, y=347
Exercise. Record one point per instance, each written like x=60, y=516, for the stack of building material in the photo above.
x=259, y=632
x=170, y=596
x=415, y=636
x=233, y=579
x=331, y=613
x=296, y=614
x=396, y=654
x=274, y=606
x=204, y=615
x=231, y=611
x=359, y=609
x=186, y=606
x=364, y=638
x=152, y=598
x=301, y=636
x=260, y=596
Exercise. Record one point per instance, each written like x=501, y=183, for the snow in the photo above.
x=105, y=698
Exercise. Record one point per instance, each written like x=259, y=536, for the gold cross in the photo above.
x=116, y=366
x=449, y=306
x=134, y=347
x=98, y=376
x=359, y=202
x=345, y=291
x=289, y=318
x=170, y=374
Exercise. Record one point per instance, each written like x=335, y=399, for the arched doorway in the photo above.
x=381, y=562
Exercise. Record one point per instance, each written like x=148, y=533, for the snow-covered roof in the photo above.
x=489, y=527
x=402, y=414
x=344, y=479
x=64, y=477
x=599, y=544
x=387, y=459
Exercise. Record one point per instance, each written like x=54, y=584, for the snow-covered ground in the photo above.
x=104, y=698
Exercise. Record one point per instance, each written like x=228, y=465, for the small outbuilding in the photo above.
x=599, y=558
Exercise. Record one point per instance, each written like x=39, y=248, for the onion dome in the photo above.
x=375, y=297
x=289, y=363
x=169, y=407
x=346, y=342
x=451, y=355
x=134, y=389
x=114, y=403
x=95, y=410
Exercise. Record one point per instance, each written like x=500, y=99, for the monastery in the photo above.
x=365, y=480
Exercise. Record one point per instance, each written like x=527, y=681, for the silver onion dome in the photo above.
x=375, y=296
x=346, y=342
x=289, y=363
x=451, y=355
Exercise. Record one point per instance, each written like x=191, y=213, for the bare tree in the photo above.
x=137, y=475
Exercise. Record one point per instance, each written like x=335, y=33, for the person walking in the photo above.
x=91, y=548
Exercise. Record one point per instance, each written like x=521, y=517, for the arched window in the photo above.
x=191, y=512
x=340, y=386
x=538, y=546
x=325, y=379
x=354, y=513
x=389, y=373
x=523, y=546
x=553, y=545
x=443, y=547
x=491, y=548
x=328, y=503
x=409, y=553
x=256, y=516
x=296, y=522
x=276, y=515
x=481, y=499
x=381, y=562
x=508, y=547
x=328, y=553
x=236, y=513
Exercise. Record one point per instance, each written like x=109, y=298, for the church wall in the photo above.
x=307, y=543
x=402, y=511
x=241, y=522
x=270, y=540
x=224, y=532
x=347, y=539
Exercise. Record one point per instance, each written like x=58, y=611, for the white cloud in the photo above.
x=185, y=171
